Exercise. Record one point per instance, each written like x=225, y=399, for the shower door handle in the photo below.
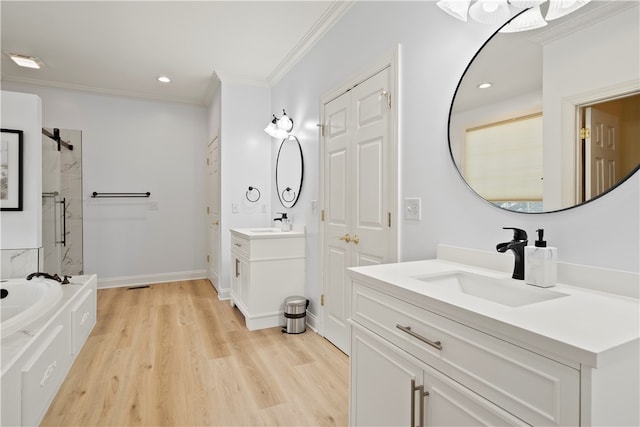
x=63, y=219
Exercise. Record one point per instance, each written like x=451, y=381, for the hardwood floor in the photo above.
x=173, y=354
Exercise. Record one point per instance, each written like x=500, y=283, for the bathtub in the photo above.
x=25, y=301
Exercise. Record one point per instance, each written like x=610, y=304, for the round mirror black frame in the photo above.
x=453, y=161
x=285, y=201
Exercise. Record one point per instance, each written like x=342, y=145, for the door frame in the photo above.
x=392, y=62
x=570, y=122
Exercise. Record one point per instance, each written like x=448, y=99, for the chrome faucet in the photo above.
x=516, y=246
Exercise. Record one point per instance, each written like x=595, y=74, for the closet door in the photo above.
x=357, y=203
x=213, y=212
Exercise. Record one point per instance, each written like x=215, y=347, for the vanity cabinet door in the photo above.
x=383, y=384
x=447, y=403
x=385, y=380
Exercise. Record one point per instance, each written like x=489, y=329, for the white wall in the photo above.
x=134, y=145
x=435, y=51
x=23, y=229
x=245, y=151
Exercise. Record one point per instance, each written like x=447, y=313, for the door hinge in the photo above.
x=585, y=133
x=322, y=299
x=387, y=96
x=322, y=215
x=208, y=259
x=389, y=219
x=207, y=210
x=321, y=126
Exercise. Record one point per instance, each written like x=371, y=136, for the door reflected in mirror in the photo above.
x=289, y=171
x=560, y=123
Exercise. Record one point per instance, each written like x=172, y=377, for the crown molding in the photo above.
x=103, y=91
x=570, y=24
x=331, y=16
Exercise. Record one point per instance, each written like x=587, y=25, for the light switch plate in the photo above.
x=413, y=209
x=235, y=208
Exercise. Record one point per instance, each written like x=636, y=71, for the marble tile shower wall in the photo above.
x=18, y=263
x=71, y=189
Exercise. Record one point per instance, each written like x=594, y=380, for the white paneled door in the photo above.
x=358, y=194
x=213, y=212
x=602, y=152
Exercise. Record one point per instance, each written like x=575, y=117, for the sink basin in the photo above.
x=265, y=230
x=509, y=292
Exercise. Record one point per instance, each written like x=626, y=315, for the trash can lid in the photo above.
x=295, y=300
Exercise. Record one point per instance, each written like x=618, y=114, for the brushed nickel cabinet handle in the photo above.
x=237, y=267
x=421, y=394
x=407, y=329
x=413, y=403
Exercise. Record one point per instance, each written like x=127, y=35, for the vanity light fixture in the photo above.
x=498, y=11
x=280, y=127
x=25, y=60
x=164, y=79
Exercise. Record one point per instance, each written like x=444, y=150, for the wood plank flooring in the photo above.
x=173, y=354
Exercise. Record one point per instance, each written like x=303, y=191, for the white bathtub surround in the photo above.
x=26, y=300
x=36, y=358
x=18, y=263
x=570, y=360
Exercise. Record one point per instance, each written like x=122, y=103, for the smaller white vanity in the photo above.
x=37, y=355
x=439, y=343
x=267, y=265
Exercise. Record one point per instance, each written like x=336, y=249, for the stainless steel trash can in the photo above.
x=295, y=315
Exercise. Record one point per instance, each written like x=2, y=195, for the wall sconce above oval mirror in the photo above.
x=289, y=171
x=560, y=123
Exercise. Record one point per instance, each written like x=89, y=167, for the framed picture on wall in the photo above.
x=11, y=170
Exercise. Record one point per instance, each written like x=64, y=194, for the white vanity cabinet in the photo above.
x=457, y=365
x=427, y=352
x=267, y=266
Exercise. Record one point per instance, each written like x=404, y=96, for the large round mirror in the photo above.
x=289, y=171
x=559, y=124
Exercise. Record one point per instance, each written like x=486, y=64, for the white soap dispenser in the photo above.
x=540, y=263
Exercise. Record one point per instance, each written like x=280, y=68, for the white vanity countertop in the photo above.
x=266, y=233
x=587, y=327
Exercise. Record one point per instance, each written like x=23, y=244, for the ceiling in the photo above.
x=121, y=47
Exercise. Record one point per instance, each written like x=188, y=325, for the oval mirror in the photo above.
x=289, y=171
x=559, y=124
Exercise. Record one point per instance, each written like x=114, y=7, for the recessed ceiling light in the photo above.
x=484, y=85
x=164, y=79
x=25, y=60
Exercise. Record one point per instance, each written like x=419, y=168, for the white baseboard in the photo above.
x=312, y=321
x=148, y=279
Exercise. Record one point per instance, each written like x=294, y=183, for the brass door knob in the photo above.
x=215, y=222
x=346, y=238
x=356, y=239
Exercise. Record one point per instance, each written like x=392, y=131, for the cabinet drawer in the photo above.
x=534, y=388
x=83, y=317
x=43, y=374
x=240, y=245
